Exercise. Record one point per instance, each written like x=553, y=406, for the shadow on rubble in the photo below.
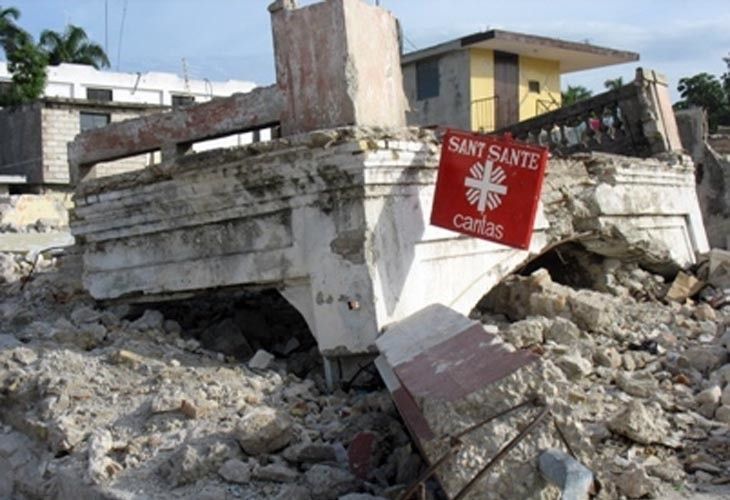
x=238, y=324
x=573, y=265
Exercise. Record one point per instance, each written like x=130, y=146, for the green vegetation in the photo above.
x=574, y=94
x=27, y=61
x=72, y=46
x=709, y=92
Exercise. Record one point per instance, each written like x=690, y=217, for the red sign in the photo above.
x=488, y=187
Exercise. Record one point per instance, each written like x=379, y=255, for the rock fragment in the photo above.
x=573, y=478
x=261, y=360
x=328, y=483
x=310, y=453
x=100, y=466
x=574, y=366
x=608, y=357
x=264, y=430
x=635, y=483
x=641, y=385
x=637, y=423
x=278, y=473
x=562, y=331
x=235, y=471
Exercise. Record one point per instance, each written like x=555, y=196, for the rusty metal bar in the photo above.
x=456, y=445
x=519, y=437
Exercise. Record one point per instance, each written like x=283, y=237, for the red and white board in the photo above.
x=489, y=187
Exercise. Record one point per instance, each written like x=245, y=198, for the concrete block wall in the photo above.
x=59, y=126
x=452, y=107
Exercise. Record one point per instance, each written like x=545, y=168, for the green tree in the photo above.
x=27, y=65
x=11, y=36
x=614, y=83
x=709, y=92
x=575, y=93
x=26, y=62
x=72, y=46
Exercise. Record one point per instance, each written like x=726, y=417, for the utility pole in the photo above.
x=106, y=26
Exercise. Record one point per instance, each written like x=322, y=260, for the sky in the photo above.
x=231, y=39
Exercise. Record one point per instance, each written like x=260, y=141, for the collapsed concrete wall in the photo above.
x=711, y=155
x=338, y=220
x=618, y=206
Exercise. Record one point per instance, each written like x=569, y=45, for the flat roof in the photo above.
x=572, y=56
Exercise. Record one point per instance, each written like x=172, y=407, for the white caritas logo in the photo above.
x=485, y=186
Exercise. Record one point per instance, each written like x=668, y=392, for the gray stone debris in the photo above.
x=310, y=453
x=278, y=473
x=639, y=424
x=235, y=471
x=264, y=430
x=100, y=466
x=573, y=478
x=96, y=406
x=9, y=271
x=261, y=360
x=635, y=483
x=574, y=365
x=327, y=482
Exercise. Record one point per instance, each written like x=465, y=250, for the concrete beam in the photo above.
x=257, y=109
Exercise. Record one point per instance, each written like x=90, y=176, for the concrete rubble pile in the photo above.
x=97, y=406
x=640, y=387
x=33, y=222
x=113, y=403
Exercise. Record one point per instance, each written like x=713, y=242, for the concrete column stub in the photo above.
x=283, y=4
x=337, y=64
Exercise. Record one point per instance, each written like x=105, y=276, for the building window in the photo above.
x=534, y=86
x=103, y=95
x=94, y=120
x=427, y=79
x=180, y=101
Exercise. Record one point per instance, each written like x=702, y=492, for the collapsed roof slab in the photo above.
x=338, y=221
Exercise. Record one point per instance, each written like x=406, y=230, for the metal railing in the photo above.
x=545, y=106
x=634, y=120
x=483, y=113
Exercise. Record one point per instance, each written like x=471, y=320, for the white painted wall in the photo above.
x=72, y=80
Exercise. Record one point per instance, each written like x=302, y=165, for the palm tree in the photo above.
x=72, y=46
x=575, y=93
x=614, y=83
x=11, y=36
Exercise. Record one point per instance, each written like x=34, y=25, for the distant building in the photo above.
x=78, y=97
x=78, y=81
x=496, y=78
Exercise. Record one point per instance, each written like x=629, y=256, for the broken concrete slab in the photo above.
x=446, y=375
x=338, y=221
x=34, y=242
x=333, y=219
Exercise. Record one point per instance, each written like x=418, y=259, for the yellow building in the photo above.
x=493, y=79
